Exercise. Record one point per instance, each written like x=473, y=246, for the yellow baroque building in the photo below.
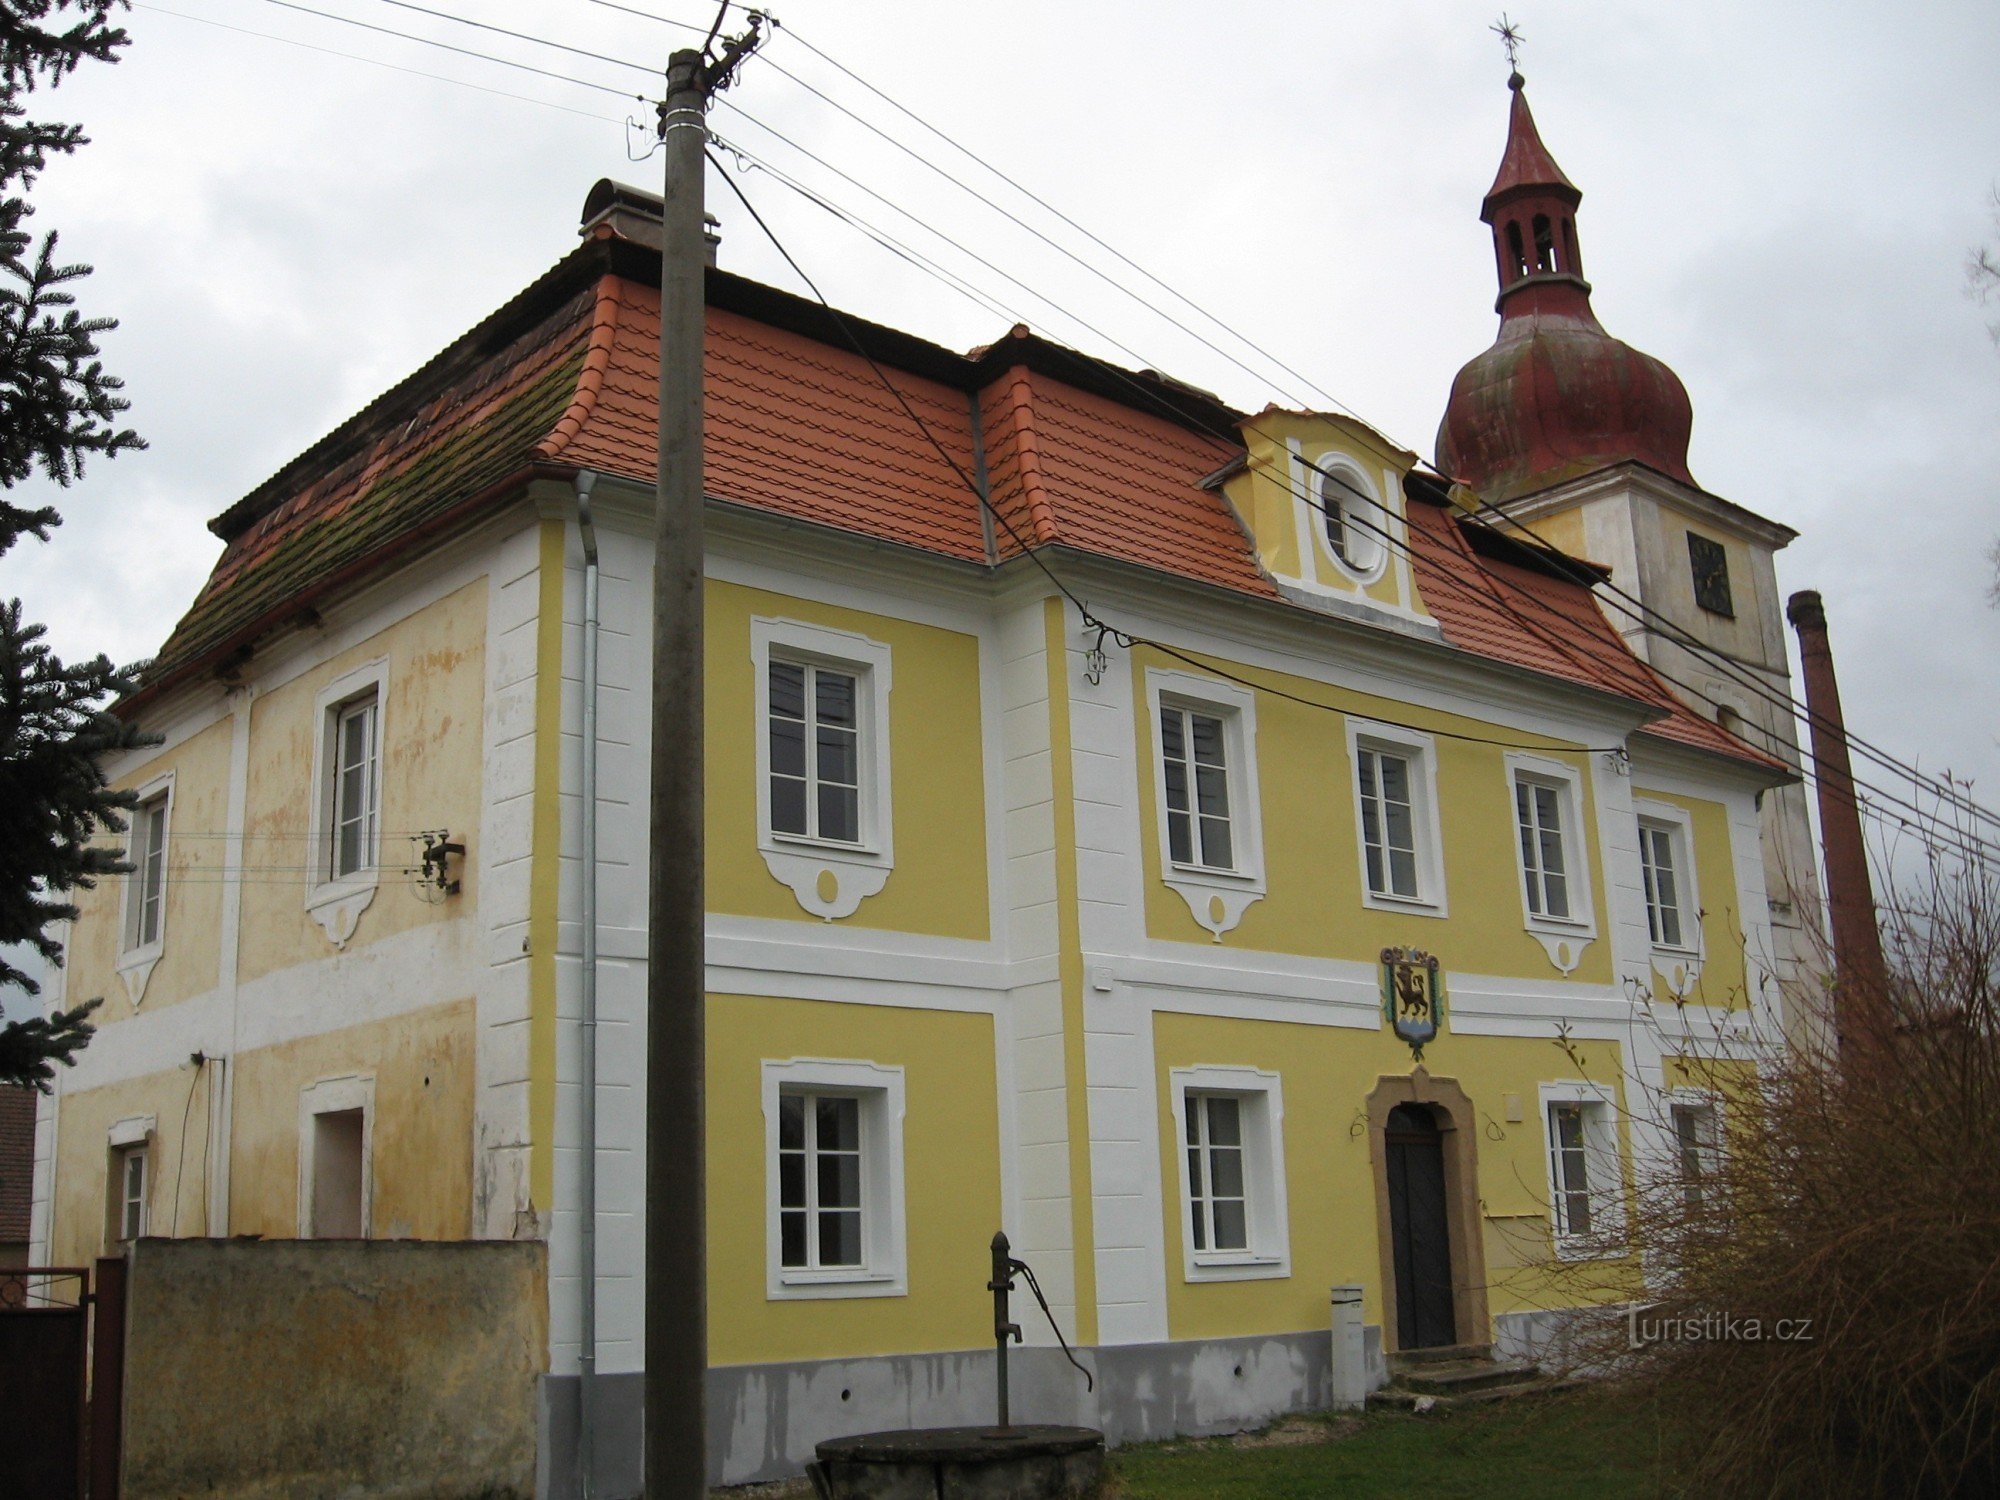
x=1096, y=925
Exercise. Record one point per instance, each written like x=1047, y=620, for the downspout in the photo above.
x=586, y=1358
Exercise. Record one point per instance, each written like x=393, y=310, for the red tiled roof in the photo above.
x=1093, y=459
x=17, y=1162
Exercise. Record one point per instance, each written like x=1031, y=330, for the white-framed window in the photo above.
x=1547, y=806
x=1210, y=824
x=353, y=821
x=1352, y=518
x=1666, y=869
x=1194, y=764
x=1586, y=1177
x=347, y=798
x=128, y=1181
x=1396, y=815
x=1230, y=1125
x=337, y=1158
x=833, y=1178
x=146, y=899
x=824, y=813
x=1697, y=1129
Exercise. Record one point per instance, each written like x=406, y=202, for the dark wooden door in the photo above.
x=1419, y=1230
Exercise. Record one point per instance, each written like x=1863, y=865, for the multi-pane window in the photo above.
x=1694, y=1138
x=819, y=1181
x=128, y=1187
x=147, y=901
x=1569, y=1168
x=1194, y=757
x=1538, y=811
x=1388, y=823
x=356, y=789
x=815, y=751
x=1663, y=884
x=1218, y=1205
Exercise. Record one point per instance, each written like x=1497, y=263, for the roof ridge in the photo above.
x=590, y=378
x=1028, y=458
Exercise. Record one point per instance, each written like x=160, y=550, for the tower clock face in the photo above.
x=1710, y=565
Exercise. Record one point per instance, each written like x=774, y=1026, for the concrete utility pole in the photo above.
x=1860, y=989
x=676, y=1442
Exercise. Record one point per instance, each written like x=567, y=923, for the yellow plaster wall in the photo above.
x=1725, y=974
x=937, y=782
x=1312, y=862
x=432, y=734
x=1328, y=1074
x=951, y=1179
x=189, y=950
x=423, y=1067
x=83, y=1159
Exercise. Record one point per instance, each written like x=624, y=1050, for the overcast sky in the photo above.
x=1778, y=201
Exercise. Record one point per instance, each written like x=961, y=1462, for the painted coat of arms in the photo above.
x=1412, y=997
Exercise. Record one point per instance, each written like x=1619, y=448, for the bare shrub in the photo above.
x=1823, y=1277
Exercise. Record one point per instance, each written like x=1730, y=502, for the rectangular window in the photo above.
x=834, y=1179
x=1230, y=1123
x=820, y=1212
x=128, y=1193
x=815, y=751
x=1216, y=1197
x=356, y=789
x=1569, y=1166
x=1538, y=811
x=1196, y=769
x=1695, y=1140
x=1663, y=885
x=147, y=902
x=1388, y=823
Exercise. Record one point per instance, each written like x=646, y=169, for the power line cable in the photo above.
x=1945, y=790
x=1670, y=628
x=373, y=62
x=1419, y=559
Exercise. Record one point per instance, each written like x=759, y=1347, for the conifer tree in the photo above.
x=57, y=407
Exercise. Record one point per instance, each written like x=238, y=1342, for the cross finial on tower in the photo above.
x=1511, y=36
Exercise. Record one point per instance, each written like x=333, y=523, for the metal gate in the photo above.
x=58, y=1337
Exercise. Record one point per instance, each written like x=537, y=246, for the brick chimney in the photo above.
x=1860, y=994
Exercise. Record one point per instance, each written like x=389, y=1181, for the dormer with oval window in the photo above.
x=1321, y=496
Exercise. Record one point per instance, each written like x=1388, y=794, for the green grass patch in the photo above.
x=1592, y=1444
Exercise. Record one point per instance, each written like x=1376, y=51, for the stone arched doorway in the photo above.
x=1423, y=1141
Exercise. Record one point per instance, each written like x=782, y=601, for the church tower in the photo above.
x=1583, y=440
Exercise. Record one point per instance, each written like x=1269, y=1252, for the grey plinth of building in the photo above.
x=962, y=1463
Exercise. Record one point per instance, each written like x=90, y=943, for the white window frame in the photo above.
x=332, y=1096
x=337, y=901
x=1558, y=934
x=1685, y=1101
x=1420, y=751
x=1216, y=897
x=1355, y=565
x=861, y=868
x=1678, y=826
x=136, y=960
x=1604, y=1169
x=127, y=1138
x=1267, y=1220
x=884, y=1241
